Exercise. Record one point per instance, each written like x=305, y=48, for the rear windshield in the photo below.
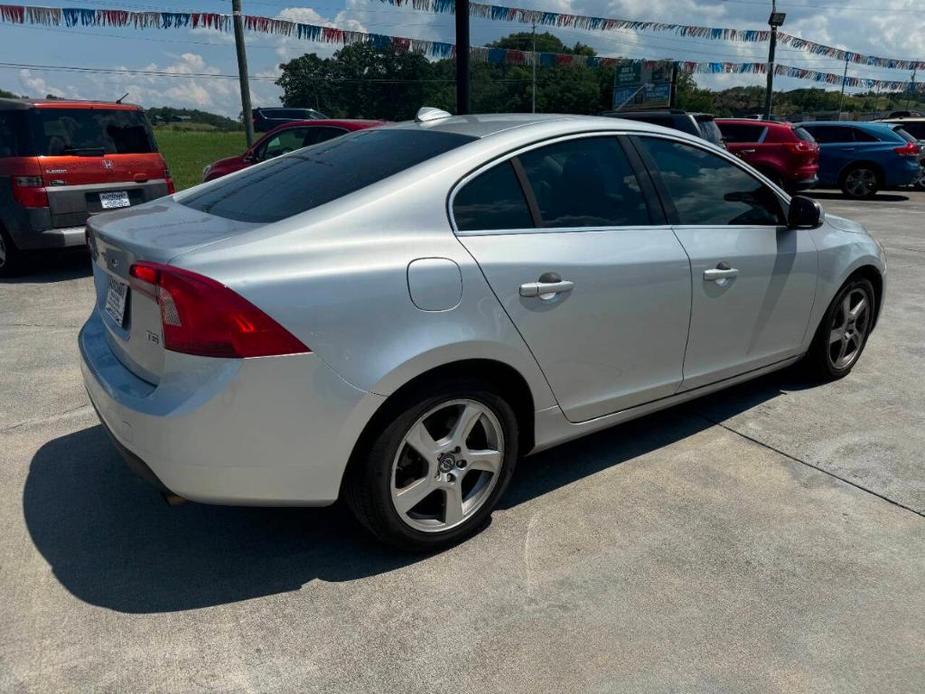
x=57, y=131
x=312, y=176
x=804, y=134
x=904, y=134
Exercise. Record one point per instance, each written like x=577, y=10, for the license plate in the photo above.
x=111, y=201
x=115, y=300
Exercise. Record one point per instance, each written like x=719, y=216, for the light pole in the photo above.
x=462, y=57
x=774, y=21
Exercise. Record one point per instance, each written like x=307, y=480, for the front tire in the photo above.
x=436, y=466
x=860, y=182
x=843, y=332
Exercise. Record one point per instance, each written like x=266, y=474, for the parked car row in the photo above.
x=859, y=158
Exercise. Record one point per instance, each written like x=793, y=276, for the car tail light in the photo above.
x=171, y=188
x=910, y=149
x=204, y=317
x=29, y=191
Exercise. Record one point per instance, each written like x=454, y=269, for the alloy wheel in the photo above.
x=861, y=182
x=849, y=329
x=447, y=465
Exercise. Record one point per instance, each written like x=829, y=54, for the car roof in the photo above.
x=22, y=104
x=493, y=124
x=863, y=125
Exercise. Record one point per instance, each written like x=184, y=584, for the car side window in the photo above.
x=707, y=189
x=315, y=135
x=491, y=201
x=862, y=136
x=827, y=134
x=736, y=133
x=282, y=143
x=585, y=183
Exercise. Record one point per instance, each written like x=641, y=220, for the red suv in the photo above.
x=785, y=153
x=286, y=138
x=62, y=161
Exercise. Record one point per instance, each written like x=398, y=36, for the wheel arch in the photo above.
x=874, y=276
x=869, y=163
x=503, y=377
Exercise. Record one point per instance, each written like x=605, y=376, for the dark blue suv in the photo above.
x=862, y=158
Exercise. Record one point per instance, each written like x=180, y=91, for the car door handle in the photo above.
x=720, y=272
x=747, y=151
x=546, y=290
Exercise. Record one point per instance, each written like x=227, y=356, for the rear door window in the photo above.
x=827, y=134
x=734, y=133
x=863, y=136
x=491, y=201
x=709, y=190
x=64, y=131
x=310, y=177
x=585, y=183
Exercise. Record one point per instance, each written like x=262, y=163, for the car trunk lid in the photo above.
x=156, y=232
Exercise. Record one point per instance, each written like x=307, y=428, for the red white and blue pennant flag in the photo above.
x=91, y=17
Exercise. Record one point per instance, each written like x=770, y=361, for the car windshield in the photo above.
x=313, y=176
x=91, y=131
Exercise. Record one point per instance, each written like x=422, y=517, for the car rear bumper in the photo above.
x=271, y=431
x=805, y=183
x=51, y=238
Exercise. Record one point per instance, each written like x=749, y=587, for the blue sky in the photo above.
x=890, y=28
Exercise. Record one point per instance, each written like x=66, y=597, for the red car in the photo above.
x=785, y=153
x=286, y=138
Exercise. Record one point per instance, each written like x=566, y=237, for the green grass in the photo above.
x=188, y=151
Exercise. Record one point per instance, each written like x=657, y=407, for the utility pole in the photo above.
x=462, y=57
x=911, y=89
x=242, y=71
x=534, y=67
x=844, y=79
x=774, y=21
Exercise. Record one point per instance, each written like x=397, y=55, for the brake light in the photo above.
x=910, y=149
x=171, y=188
x=29, y=191
x=204, y=317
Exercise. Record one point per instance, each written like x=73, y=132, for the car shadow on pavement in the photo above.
x=47, y=267
x=113, y=541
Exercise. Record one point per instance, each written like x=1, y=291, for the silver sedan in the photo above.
x=397, y=315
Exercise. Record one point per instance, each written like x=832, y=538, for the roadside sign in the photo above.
x=642, y=85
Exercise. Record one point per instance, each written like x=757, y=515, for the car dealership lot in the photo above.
x=765, y=538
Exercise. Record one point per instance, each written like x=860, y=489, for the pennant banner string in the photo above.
x=83, y=17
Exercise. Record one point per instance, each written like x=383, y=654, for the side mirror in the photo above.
x=804, y=213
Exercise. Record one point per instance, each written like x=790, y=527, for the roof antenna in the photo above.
x=119, y=100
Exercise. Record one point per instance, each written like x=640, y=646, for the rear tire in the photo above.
x=435, y=467
x=861, y=182
x=843, y=331
x=10, y=256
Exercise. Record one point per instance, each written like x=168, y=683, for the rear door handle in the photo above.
x=546, y=290
x=720, y=272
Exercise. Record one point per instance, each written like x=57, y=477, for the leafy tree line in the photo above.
x=361, y=81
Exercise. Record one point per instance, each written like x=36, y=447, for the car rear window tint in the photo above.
x=62, y=131
x=804, y=134
x=493, y=200
x=585, y=183
x=13, y=134
x=307, y=178
x=735, y=133
x=904, y=134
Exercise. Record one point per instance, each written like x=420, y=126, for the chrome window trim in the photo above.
x=508, y=156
